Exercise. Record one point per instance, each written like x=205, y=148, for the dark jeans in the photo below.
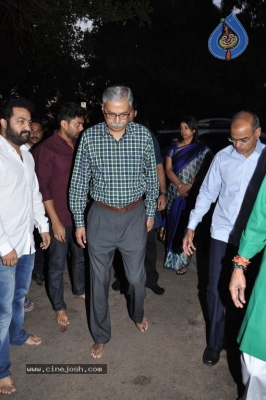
x=41, y=256
x=150, y=259
x=220, y=267
x=58, y=253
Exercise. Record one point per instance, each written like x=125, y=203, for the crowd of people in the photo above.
x=98, y=196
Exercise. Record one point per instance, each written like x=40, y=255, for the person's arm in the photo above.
x=152, y=184
x=181, y=187
x=161, y=201
x=252, y=242
x=208, y=194
x=40, y=220
x=58, y=228
x=44, y=169
x=79, y=188
x=6, y=248
x=7, y=252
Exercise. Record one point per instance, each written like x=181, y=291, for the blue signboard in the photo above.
x=229, y=39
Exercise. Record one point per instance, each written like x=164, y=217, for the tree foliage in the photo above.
x=252, y=11
x=161, y=54
x=40, y=42
x=170, y=69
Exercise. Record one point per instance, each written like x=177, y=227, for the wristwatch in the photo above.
x=162, y=194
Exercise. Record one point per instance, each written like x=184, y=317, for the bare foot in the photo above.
x=7, y=385
x=82, y=295
x=33, y=339
x=143, y=326
x=97, y=350
x=62, y=317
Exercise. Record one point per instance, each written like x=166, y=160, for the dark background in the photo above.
x=158, y=48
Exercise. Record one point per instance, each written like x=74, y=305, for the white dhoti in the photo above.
x=254, y=377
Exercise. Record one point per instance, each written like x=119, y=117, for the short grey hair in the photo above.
x=117, y=94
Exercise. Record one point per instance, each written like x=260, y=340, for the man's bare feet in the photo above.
x=142, y=326
x=97, y=350
x=7, y=385
x=62, y=317
x=82, y=295
x=33, y=339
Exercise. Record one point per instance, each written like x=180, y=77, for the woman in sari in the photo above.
x=185, y=162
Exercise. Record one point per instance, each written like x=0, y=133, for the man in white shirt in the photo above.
x=21, y=208
x=226, y=181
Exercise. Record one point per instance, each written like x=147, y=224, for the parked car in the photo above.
x=212, y=131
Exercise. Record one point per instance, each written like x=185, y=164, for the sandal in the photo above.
x=28, y=305
x=182, y=271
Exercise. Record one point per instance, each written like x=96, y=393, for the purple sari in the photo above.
x=186, y=162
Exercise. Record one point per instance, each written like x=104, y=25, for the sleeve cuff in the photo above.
x=6, y=248
x=43, y=228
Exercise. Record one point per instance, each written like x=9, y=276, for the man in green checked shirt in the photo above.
x=115, y=163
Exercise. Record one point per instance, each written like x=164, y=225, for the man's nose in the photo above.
x=237, y=143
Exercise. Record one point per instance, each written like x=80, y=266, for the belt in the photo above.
x=120, y=209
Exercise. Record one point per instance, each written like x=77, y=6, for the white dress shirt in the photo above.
x=21, y=204
x=227, y=179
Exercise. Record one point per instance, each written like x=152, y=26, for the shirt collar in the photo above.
x=62, y=140
x=4, y=143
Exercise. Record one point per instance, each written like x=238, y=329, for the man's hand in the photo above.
x=161, y=202
x=188, y=246
x=81, y=236
x=150, y=222
x=237, y=287
x=46, y=239
x=10, y=258
x=59, y=231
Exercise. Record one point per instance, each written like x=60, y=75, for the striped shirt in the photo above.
x=116, y=173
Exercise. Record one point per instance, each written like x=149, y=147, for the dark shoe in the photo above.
x=157, y=289
x=116, y=285
x=38, y=278
x=211, y=356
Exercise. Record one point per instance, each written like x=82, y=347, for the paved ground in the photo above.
x=163, y=363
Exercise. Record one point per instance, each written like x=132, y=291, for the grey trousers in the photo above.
x=107, y=231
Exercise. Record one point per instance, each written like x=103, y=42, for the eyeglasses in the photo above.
x=244, y=140
x=121, y=116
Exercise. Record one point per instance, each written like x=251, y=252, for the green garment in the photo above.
x=252, y=335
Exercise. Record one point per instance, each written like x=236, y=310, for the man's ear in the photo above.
x=64, y=124
x=3, y=123
x=258, y=132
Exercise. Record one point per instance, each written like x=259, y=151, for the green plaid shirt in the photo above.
x=116, y=173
